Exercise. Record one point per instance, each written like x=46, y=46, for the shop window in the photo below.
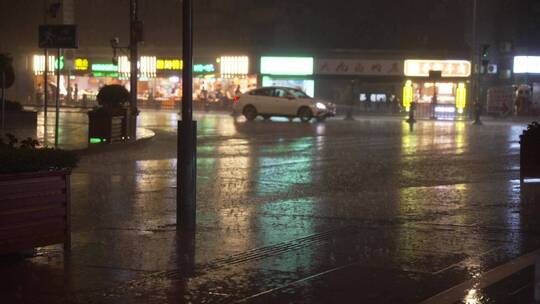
x=280, y=93
x=262, y=92
x=362, y=97
x=378, y=97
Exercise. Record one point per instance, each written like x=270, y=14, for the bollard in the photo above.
x=477, y=110
x=537, y=280
x=411, y=113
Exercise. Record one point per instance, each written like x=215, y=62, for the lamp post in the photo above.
x=187, y=131
x=474, y=49
x=134, y=37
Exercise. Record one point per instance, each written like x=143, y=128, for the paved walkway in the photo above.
x=363, y=211
x=72, y=131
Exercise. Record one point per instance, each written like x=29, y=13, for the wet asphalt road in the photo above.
x=363, y=211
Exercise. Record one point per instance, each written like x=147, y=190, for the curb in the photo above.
x=110, y=147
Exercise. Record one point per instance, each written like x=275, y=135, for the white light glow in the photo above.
x=445, y=109
x=174, y=79
x=448, y=68
x=231, y=66
x=527, y=64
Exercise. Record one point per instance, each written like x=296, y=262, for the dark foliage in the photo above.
x=533, y=131
x=13, y=106
x=113, y=96
x=24, y=156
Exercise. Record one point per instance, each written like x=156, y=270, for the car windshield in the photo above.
x=299, y=94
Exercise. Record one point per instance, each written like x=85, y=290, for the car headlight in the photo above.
x=320, y=106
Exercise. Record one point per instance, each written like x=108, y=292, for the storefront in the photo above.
x=526, y=99
x=160, y=79
x=376, y=82
x=441, y=97
x=295, y=72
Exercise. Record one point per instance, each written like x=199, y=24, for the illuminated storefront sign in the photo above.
x=449, y=68
x=169, y=64
x=104, y=67
x=461, y=97
x=147, y=66
x=358, y=67
x=178, y=64
x=407, y=95
x=231, y=66
x=203, y=68
x=39, y=64
x=287, y=65
x=81, y=64
x=527, y=64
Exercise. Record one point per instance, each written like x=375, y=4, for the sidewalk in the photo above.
x=72, y=132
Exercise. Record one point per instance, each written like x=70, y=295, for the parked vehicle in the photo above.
x=282, y=101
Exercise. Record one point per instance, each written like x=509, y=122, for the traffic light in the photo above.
x=484, y=55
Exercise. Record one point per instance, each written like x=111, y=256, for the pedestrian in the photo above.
x=368, y=102
x=348, y=100
x=76, y=93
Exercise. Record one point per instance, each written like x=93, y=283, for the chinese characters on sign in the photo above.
x=359, y=67
x=81, y=64
x=169, y=64
x=448, y=68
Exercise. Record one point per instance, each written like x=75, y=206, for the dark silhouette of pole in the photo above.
x=187, y=130
x=57, y=105
x=45, y=76
x=133, y=57
x=3, y=100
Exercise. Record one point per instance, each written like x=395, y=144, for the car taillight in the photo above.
x=236, y=98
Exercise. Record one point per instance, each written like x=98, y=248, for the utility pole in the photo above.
x=474, y=57
x=134, y=33
x=187, y=131
x=45, y=72
x=57, y=105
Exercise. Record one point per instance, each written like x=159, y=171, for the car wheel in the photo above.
x=250, y=112
x=305, y=114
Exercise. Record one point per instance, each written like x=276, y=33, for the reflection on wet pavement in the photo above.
x=341, y=211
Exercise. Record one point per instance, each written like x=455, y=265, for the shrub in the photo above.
x=533, y=131
x=113, y=96
x=24, y=156
x=13, y=106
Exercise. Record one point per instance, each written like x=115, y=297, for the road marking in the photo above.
x=467, y=259
x=294, y=282
x=484, y=280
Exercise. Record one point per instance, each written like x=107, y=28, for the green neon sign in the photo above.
x=105, y=74
x=104, y=67
x=287, y=65
x=95, y=140
x=61, y=63
x=203, y=68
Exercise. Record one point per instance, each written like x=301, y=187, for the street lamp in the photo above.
x=187, y=131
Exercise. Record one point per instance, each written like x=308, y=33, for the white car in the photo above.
x=282, y=101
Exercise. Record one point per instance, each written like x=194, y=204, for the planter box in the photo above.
x=106, y=127
x=20, y=119
x=529, y=154
x=34, y=210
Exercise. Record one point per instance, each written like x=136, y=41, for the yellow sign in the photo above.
x=81, y=64
x=461, y=97
x=407, y=95
x=448, y=68
x=169, y=64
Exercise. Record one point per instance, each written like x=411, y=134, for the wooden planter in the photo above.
x=34, y=210
x=20, y=119
x=529, y=154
